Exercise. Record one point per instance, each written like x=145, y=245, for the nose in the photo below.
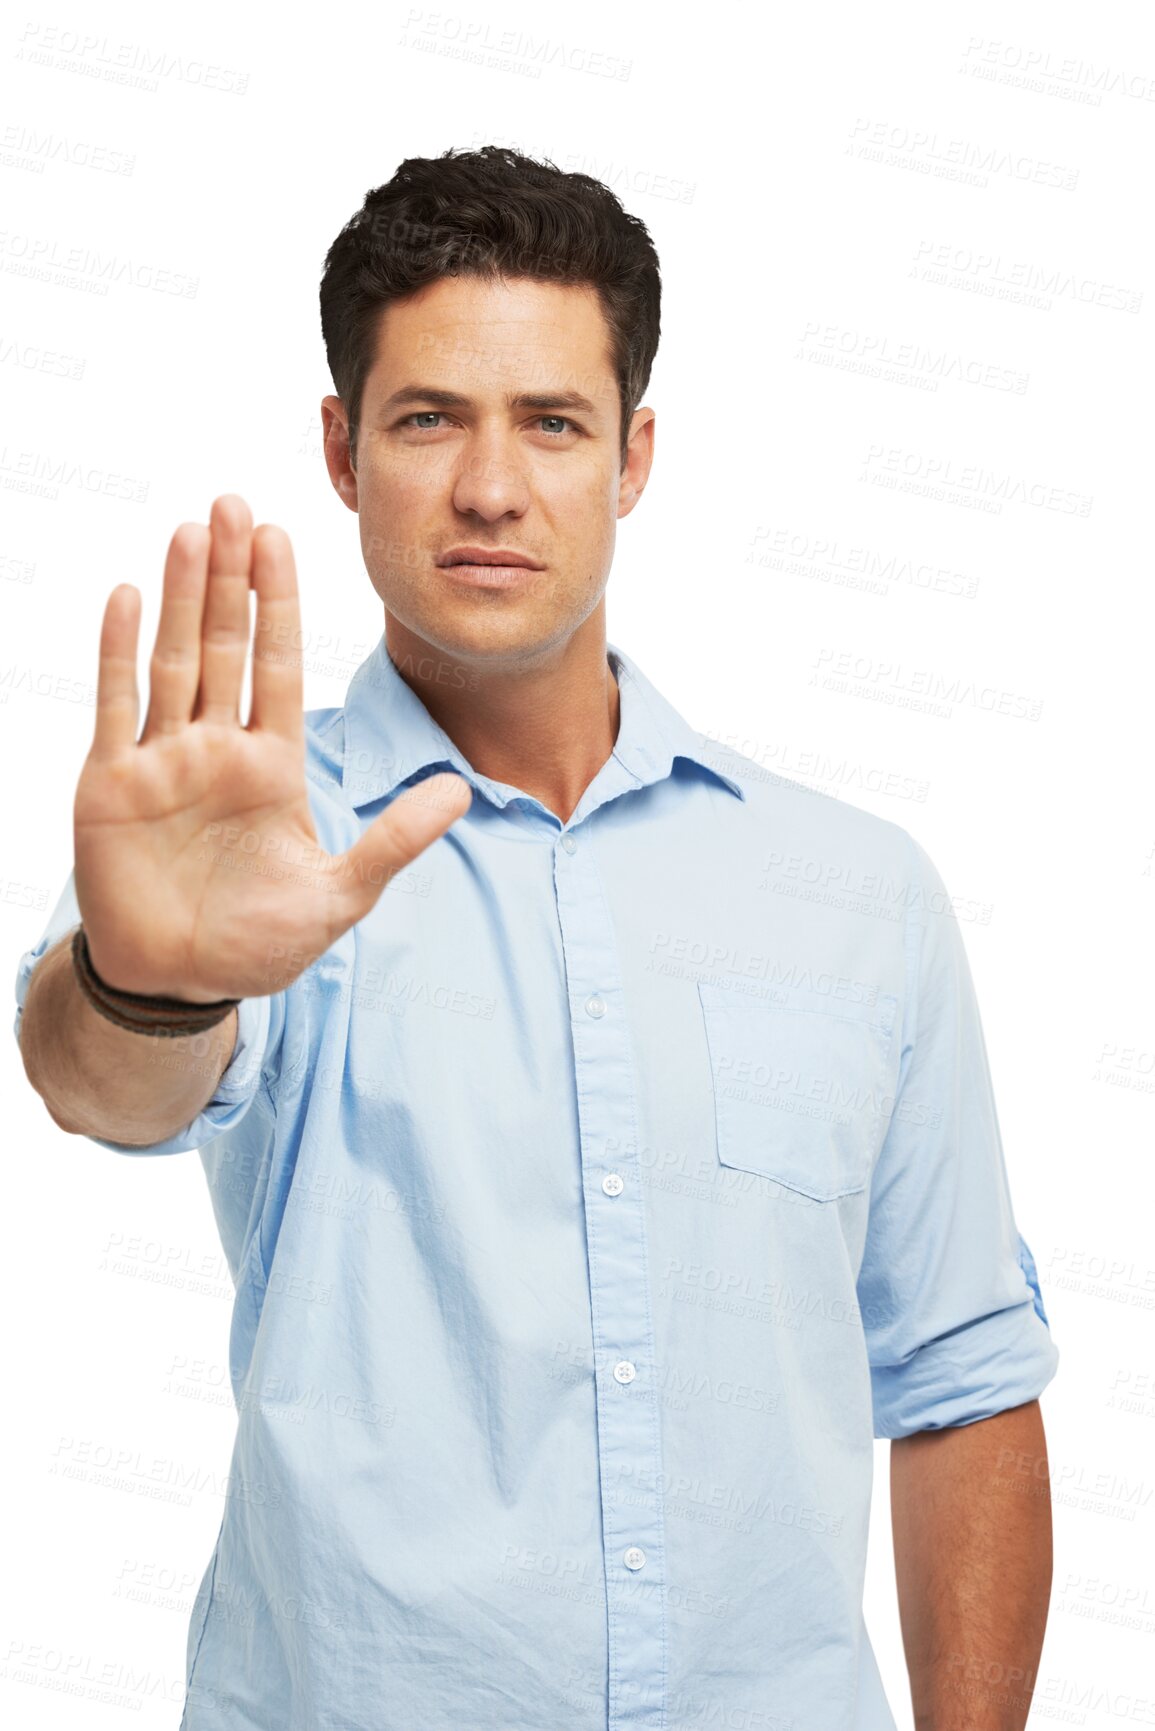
x=489, y=481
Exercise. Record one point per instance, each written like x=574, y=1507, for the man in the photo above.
x=592, y=1198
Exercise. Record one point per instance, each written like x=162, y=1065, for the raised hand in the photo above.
x=168, y=906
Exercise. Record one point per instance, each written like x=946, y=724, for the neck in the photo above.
x=544, y=726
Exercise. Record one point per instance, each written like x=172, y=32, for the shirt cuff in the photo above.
x=986, y=1367
x=234, y=1093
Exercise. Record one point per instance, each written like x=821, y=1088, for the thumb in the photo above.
x=404, y=829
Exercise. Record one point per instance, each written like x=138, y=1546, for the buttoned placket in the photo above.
x=628, y=1434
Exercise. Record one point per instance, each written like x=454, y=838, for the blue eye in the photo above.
x=563, y=423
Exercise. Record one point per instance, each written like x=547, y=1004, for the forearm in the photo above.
x=100, y=1080
x=972, y=1552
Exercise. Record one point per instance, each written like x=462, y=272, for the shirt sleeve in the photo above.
x=237, y=1087
x=948, y=1292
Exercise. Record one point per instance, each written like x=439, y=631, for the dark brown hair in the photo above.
x=489, y=213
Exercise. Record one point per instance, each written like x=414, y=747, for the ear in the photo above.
x=639, y=457
x=335, y=427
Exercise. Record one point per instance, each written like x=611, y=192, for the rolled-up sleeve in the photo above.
x=951, y=1306
x=237, y=1087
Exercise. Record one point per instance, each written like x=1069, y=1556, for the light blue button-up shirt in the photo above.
x=591, y=1205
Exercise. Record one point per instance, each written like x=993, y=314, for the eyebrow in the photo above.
x=543, y=401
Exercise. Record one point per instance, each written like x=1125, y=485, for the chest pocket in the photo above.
x=799, y=1086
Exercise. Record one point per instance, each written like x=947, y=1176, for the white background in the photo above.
x=908, y=298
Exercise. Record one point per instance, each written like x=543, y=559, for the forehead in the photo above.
x=474, y=334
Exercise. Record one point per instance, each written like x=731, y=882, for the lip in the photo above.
x=501, y=558
x=489, y=576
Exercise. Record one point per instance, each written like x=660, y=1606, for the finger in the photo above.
x=117, y=699
x=405, y=829
x=278, y=697
x=175, y=667
x=225, y=626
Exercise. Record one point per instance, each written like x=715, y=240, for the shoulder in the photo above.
x=816, y=834
x=325, y=746
x=337, y=823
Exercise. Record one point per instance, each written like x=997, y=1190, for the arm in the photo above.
x=971, y=1517
x=167, y=830
x=100, y=1080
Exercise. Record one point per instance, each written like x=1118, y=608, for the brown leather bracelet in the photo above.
x=137, y=1011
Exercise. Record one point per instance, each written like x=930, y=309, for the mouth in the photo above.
x=488, y=567
x=495, y=558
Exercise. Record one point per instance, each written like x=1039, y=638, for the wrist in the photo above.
x=141, y=1012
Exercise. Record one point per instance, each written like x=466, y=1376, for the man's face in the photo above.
x=543, y=479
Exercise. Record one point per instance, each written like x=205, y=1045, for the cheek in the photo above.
x=390, y=516
x=403, y=477
x=588, y=502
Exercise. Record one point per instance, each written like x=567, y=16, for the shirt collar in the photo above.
x=390, y=736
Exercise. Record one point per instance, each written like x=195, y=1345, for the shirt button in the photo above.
x=634, y=1557
x=569, y=842
x=612, y=1184
x=595, y=1006
x=625, y=1371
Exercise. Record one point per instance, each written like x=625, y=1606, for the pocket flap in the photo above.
x=798, y=1086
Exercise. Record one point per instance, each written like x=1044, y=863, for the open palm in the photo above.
x=198, y=870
